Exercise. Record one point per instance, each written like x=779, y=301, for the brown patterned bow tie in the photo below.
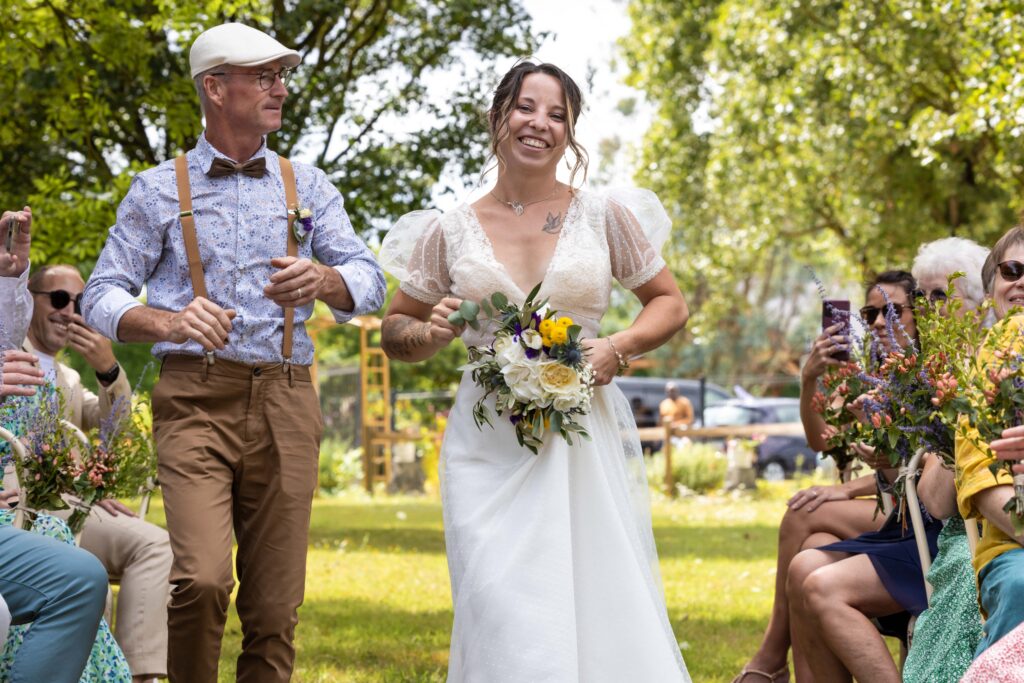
x=254, y=168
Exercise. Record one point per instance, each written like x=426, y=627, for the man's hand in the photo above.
x=20, y=374
x=14, y=263
x=115, y=507
x=202, y=321
x=298, y=282
x=94, y=347
x=1011, y=447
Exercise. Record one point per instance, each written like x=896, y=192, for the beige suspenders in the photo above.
x=195, y=263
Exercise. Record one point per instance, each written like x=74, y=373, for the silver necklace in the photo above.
x=520, y=207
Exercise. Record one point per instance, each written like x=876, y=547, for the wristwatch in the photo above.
x=107, y=378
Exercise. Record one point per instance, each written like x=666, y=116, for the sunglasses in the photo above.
x=869, y=314
x=1011, y=271
x=59, y=299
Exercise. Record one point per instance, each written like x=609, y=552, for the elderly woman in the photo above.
x=947, y=633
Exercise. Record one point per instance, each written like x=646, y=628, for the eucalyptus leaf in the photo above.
x=469, y=310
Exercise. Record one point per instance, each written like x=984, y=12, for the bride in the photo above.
x=553, y=567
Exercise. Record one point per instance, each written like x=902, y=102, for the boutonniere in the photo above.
x=304, y=225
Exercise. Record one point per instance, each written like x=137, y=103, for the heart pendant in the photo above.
x=517, y=207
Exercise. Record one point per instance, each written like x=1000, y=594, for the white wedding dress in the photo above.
x=553, y=567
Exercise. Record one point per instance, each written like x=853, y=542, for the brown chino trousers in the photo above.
x=238, y=448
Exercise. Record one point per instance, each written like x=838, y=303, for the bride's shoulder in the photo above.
x=622, y=204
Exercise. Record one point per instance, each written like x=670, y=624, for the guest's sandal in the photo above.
x=771, y=678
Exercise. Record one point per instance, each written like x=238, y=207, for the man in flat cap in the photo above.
x=232, y=243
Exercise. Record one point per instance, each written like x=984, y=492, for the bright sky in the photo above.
x=582, y=40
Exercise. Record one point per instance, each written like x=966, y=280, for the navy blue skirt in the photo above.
x=893, y=552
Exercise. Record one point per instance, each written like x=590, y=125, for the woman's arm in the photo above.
x=664, y=313
x=413, y=331
x=937, y=489
x=819, y=360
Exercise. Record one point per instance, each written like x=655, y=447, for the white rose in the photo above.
x=532, y=339
x=562, y=384
x=522, y=380
x=506, y=351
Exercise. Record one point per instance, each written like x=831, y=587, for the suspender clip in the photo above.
x=288, y=369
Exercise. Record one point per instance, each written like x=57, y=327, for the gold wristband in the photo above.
x=623, y=363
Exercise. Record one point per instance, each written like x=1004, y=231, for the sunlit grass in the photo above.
x=378, y=601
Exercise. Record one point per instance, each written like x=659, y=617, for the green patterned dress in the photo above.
x=106, y=663
x=947, y=633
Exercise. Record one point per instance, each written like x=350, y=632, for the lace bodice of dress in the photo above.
x=601, y=239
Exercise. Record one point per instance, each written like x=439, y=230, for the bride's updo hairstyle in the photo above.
x=507, y=94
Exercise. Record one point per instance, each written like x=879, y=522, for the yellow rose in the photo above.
x=559, y=335
x=554, y=376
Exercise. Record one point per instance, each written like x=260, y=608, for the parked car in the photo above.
x=645, y=394
x=778, y=457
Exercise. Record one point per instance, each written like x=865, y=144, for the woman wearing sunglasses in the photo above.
x=947, y=633
x=836, y=591
x=825, y=514
x=999, y=557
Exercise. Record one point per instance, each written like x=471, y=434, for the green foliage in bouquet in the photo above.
x=841, y=386
x=535, y=369
x=120, y=461
x=983, y=381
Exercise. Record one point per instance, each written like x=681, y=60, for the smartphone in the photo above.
x=13, y=229
x=837, y=311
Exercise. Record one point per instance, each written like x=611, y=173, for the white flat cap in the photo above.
x=239, y=45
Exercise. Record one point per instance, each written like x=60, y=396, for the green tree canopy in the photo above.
x=96, y=90
x=839, y=135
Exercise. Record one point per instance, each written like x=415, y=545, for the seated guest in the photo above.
x=947, y=633
x=137, y=554
x=999, y=558
x=57, y=587
x=1003, y=662
x=815, y=516
x=836, y=590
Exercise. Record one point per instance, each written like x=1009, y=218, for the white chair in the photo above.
x=914, y=509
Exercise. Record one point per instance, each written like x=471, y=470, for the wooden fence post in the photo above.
x=670, y=485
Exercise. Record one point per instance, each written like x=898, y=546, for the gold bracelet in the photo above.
x=623, y=363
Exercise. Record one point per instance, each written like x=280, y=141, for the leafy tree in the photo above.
x=387, y=98
x=98, y=89
x=839, y=135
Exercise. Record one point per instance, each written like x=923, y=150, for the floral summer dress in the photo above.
x=106, y=663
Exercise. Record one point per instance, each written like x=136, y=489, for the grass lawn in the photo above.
x=378, y=601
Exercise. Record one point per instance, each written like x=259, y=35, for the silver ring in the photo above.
x=300, y=293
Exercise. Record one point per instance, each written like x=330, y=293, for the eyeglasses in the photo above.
x=1011, y=271
x=937, y=295
x=869, y=314
x=59, y=299
x=266, y=76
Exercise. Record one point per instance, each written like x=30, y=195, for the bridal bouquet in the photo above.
x=535, y=368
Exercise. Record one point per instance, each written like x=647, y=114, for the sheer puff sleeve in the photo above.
x=414, y=252
x=637, y=227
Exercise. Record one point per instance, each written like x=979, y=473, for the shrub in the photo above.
x=696, y=467
x=341, y=466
